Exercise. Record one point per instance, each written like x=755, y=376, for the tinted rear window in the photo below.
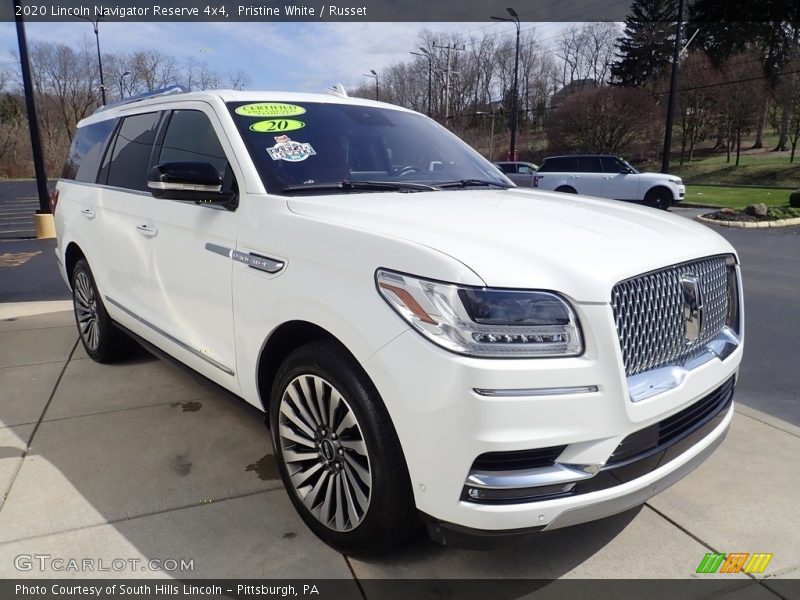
x=590, y=164
x=132, y=148
x=86, y=152
x=190, y=136
x=561, y=164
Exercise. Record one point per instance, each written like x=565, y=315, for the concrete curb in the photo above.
x=752, y=225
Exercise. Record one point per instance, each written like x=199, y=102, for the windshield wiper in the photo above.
x=357, y=186
x=464, y=183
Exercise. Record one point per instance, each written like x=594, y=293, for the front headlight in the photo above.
x=676, y=181
x=484, y=321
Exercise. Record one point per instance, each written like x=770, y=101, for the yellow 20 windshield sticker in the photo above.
x=270, y=109
x=273, y=125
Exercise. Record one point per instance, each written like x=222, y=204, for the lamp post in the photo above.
x=673, y=91
x=427, y=55
x=375, y=76
x=95, y=23
x=514, y=19
x=121, y=83
x=33, y=122
x=491, y=132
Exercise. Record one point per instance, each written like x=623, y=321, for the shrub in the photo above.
x=794, y=199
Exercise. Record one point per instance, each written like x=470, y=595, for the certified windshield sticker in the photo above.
x=270, y=109
x=286, y=149
x=275, y=125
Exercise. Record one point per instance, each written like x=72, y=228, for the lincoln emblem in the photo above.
x=692, y=307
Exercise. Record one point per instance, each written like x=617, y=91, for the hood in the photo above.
x=658, y=176
x=517, y=238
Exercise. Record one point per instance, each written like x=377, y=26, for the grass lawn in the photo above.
x=735, y=197
x=755, y=168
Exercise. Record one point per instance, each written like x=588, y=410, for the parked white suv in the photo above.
x=608, y=177
x=426, y=339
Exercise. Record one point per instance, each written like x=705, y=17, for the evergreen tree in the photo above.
x=645, y=51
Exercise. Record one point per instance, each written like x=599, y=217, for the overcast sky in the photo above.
x=277, y=56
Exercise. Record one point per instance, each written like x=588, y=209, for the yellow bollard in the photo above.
x=45, y=227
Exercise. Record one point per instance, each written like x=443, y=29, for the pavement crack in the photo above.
x=38, y=423
x=355, y=577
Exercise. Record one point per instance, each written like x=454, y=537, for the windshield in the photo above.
x=316, y=146
x=633, y=169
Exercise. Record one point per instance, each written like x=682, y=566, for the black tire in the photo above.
x=659, y=198
x=102, y=341
x=389, y=516
x=565, y=189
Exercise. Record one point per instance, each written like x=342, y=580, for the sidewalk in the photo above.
x=139, y=460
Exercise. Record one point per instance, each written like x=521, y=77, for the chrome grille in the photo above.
x=648, y=311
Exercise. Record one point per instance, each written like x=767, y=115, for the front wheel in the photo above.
x=659, y=198
x=338, y=453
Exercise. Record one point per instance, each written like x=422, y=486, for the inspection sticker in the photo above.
x=286, y=149
x=270, y=109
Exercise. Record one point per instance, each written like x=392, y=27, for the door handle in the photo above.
x=88, y=213
x=147, y=230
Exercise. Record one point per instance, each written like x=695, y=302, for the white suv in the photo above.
x=608, y=177
x=430, y=343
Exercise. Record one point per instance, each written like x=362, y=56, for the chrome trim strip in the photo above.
x=171, y=338
x=255, y=261
x=221, y=250
x=102, y=186
x=183, y=187
x=656, y=381
x=557, y=474
x=554, y=391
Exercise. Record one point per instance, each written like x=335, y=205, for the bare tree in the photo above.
x=590, y=121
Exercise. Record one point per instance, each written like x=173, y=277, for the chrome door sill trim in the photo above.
x=554, y=391
x=171, y=338
x=657, y=381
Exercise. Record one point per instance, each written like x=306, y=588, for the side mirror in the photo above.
x=198, y=182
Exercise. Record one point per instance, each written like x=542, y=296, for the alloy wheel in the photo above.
x=324, y=451
x=86, y=310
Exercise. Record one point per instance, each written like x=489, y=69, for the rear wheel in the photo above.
x=338, y=453
x=102, y=341
x=566, y=189
x=659, y=198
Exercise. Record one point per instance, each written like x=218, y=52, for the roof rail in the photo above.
x=167, y=91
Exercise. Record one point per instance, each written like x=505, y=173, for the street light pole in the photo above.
x=491, y=132
x=427, y=54
x=375, y=76
x=30, y=107
x=95, y=22
x=121, y=83
x=514, y=19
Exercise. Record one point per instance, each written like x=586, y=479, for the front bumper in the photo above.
x=581, y=403
x=629, y=496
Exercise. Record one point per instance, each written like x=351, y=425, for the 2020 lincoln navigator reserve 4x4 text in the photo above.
x=430, y=343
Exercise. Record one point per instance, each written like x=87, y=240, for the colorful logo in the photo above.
x=289, y=150
x=734, y=562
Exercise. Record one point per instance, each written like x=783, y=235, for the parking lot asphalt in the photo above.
x=140, y=460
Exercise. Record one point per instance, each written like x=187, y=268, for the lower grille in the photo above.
x=517, y=460
x=665, y=433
